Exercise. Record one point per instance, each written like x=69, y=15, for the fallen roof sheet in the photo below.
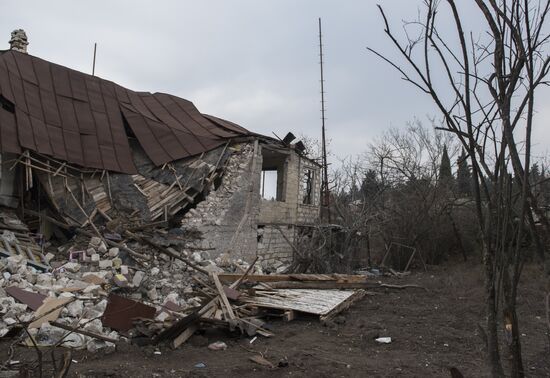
x=324, y=303
x=33, y=300
x=86, y=120
x=120, y=312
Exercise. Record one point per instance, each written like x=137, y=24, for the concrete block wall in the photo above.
x=289, y=213
x=283, y=211
x=272, y=246
x=218, y=216
x=292, y=210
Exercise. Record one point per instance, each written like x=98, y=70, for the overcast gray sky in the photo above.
x=252, y=62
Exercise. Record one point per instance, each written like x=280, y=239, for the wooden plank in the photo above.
x=184, y=336
x=231, y=277
x=343, y=305
x=322, y=285
x=77, y=329
x=289, y=315
x=189, y=331
x=228, y=310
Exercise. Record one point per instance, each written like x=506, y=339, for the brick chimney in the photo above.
x=18, y=41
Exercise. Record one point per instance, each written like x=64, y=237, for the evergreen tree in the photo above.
x=535, y=180
x=464, y=176
x=370, y=185
x=545, y=188
x=445, y=174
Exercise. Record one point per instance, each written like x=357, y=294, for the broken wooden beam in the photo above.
x=322, y=285
x=231, y=277
x=83, y=332
x=226, y=306
x=165, y=250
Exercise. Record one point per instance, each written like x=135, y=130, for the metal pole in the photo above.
x=93, y=65
x=324, y=184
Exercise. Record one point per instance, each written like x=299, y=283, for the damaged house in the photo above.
x=91, y=153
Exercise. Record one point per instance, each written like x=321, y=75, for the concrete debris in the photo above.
x=98, y=283
x=75, y=309
x=113, y=252
x=218, y=345
x=72, y=267
x=138, y=277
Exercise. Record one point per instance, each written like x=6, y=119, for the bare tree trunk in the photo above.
x=491, y=312
x=457, y=235
x=513, y=340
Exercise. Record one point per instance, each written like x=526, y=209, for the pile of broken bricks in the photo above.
x=105, y=289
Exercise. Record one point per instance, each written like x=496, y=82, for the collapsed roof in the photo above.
x=85, y=120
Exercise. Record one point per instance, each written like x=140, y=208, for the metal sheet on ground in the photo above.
x=33, y=300
x=121, y=311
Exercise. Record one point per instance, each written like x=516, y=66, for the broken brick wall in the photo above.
x=233, y=205
x=272, y=245
x=234, y=219
x=284, y=216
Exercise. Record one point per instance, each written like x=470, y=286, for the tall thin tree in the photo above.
x=492, y=80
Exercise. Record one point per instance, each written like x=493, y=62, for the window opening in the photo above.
x=269, y=184
x=273, y=179
x=307, y=186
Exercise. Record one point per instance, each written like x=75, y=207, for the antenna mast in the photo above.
x=324, y=183
x=93, y=64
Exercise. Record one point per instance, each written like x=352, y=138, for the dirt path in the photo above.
x=431, y=331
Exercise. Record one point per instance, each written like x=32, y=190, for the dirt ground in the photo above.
x=431, y=331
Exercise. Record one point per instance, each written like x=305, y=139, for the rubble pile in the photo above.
x=83, y=273
x=147, y=287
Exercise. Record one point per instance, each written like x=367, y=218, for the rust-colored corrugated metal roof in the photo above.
x=83, y=119
x=228, y=125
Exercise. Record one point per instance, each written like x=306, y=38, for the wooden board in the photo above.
x=230, y=277
x=317, y=302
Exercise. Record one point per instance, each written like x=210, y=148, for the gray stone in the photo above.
x=94, y=326
x=104, y=264
x=45, y=279
x=72, y=267
x=138, y=277
x=152, y=294
x=102, y=248
x=75, y=309
x=212, y=268
x=196, y=257
x=14, y=262
x=95, y=242
x=92, y=289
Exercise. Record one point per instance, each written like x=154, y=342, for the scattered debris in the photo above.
x=260, y=360
x=218, y=345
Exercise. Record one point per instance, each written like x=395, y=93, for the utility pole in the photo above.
x=325, y=197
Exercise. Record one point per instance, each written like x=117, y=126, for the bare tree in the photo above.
x=492, y=80
x=417, y=206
